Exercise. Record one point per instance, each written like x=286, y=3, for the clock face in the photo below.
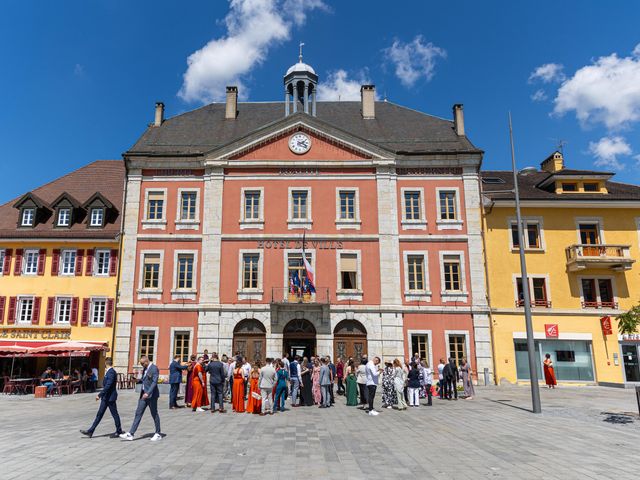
x=299, y=143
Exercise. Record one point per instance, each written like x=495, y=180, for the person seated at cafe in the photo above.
x=93, y=379
x=76, y=381
x=58, y=375
x=46, y=379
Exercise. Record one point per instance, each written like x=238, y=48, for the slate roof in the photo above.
x=104, y=176
x=397, y=129
x=529, y=190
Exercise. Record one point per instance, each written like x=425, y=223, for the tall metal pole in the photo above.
x=531, y=348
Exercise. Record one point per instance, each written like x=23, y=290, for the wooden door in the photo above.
x=349, y=346
x=250, y=346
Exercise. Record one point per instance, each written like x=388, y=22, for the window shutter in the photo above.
x=113, y=263
x=88, y=271
x=17, y=268
x=55, y=262
x=109, y=320
x=74, y=312
x=42, y=257
x=85, y=312
x=35, y=316
x=3, y=300
x=51, y=306
x=79, y=258
x=11, y=319
x=6, y=268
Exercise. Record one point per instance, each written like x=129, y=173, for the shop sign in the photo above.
x=631, y=336
x=551, y=330
x=297, y=244
x=39, y=334
x=605, y=324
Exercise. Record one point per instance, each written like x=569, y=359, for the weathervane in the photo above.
x=300, y=57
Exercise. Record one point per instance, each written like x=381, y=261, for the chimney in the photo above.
x=368, y=97
x=553, y=163
x=159, y=114
x=232, y=103
x=458, y=119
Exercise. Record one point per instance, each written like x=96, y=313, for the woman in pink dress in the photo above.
x=315, y=378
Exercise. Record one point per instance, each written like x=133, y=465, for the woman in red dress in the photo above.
x=238, y=388
x=199, y=384
x=549, y=374
x=254, y=404
x=189, y=387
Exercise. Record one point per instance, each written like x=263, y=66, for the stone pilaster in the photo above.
x=388, y=237
x=211, y=237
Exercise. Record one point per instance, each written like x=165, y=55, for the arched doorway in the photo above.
x=349, y=339
x=299, y=338
x=250, y=340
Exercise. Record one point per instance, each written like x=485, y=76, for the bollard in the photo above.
x=486, y=377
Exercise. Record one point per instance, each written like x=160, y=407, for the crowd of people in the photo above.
x=83, y=379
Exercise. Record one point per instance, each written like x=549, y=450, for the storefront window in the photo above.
x=572, y=359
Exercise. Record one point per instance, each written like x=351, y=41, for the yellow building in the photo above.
x=59, y=250
x=581, y=243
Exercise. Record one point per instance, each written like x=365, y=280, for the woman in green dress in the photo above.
x=352, y=385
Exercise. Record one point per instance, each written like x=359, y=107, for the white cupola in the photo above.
x=300, y=84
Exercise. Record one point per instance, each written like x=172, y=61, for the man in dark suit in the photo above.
x=107, y=397
x=217, y=376
x=175, y=379
x=451, y=378
x=149, y=394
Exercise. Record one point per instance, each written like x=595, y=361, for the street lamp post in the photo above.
x=531, y=349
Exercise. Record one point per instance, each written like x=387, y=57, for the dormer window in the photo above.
x=64, y=217
x=97, y=217
x=569, y=187
x=28, y=217
x=591, y=187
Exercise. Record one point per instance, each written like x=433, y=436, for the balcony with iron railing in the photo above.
x=611, y=257
x=535, y=303
x=284, y=295
x=600, y=305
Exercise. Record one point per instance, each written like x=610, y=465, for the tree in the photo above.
x=628, y=322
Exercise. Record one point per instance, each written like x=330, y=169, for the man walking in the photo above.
x=149, y=394
x=217, y=377
x=373, y=373
x=107, y=397
x=266, y=382
x=325, y=383
x=175, y=379
x=294, y=367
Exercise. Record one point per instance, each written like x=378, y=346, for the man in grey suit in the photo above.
x=217, y=376
x=149, y=394
x=325, y=384
x=266, y=382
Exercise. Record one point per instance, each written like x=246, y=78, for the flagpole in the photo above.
x=304, y=233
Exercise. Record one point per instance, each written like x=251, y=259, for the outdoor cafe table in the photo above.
x=21, y=383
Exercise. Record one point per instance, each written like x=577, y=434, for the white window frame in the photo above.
x=419, y=224
x=599, y=298
x=458, y=296
x=295, y=223
x=150, y=293
x=20, y=299
x=349, y=294
x=56, y=314
x=24, y=261
x=250, y=293
x=348, y=223
x=187, y=224
x=175, y=330
x=311, y=252
x=466, y=342
x=60, y=210
x=455, y=224
x=246, y=223
x=160, y=223
x=513, y=222
x=61, y=263
x=416, y=295
x=429, y=334
x=94, y=267
x=156, y=333
x=597, y=220
x=94, y=301
x=184, y=294
x=530, y=277
x=91, y=218
x=32, y=217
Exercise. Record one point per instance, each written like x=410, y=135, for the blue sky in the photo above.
x=79, y=79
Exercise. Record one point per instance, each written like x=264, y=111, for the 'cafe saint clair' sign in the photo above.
x=39, y=334
x=297, y=244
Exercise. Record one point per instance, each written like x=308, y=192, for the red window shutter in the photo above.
x=113, y=263
x=109, y=320
x=42, y=258
x=85, y=312
x=6, y=268
x=35, y=315
x=17, y=267
x=79, y=258
x=74, y=312
x=55, y=262
x=89, y=268
x=11, y=319
x=51, y=306
x=3, y=300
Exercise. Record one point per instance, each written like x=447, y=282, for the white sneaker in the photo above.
x=373, y=413
x=157, y=437
x=197, y=410
x=126, y=436
x=389, y=406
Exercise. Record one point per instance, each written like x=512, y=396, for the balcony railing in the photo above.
x=286, y=295
x=535, y=303
x=613, y=305
x=614, y=257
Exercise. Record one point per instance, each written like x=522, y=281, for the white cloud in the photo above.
x=607, y=92
x=253, y=26
x=78, y=70
x=414, y=60
x=338, y=86
x=608, y=149
x=539, y=96
x=548, y=73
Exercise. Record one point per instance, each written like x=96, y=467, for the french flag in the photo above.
x=310, y=274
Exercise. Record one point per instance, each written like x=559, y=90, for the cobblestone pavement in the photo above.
x=582, y=433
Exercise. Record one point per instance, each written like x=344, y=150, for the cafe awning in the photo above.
x=12, y=350
x=68, y=349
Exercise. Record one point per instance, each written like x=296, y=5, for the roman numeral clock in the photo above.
x=299, y=143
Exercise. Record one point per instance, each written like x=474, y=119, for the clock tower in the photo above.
x=300, y=84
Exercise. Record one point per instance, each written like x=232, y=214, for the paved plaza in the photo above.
x=588, y=432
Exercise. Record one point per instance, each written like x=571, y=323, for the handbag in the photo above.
x=256, y=396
